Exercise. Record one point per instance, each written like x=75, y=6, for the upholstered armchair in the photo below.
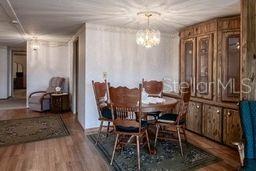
x=40, y=100
x=247, y=147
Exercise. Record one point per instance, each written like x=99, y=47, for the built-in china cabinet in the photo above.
x=210, y=63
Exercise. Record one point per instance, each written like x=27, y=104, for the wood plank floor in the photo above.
x=77, y=153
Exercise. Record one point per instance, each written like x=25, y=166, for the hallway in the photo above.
x=18, y=101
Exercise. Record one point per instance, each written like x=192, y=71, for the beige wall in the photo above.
x=50, y=60
x=114, y=50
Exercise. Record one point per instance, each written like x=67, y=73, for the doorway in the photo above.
x=17, y=76
x=75, y=75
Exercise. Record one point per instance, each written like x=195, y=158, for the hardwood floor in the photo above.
x=76, y=152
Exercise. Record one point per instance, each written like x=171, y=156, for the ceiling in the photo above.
x=9, y=35
x=60, y=19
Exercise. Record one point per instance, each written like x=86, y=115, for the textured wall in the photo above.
x=48, y=61
x=3, y=72
x=114, y=50
x=174, y=57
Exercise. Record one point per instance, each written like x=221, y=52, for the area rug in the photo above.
x=167, y=158
x=31, y=129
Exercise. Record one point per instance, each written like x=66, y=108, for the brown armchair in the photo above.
x=40, y=100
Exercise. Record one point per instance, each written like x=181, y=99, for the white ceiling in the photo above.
x=9, y=35
x=61, y=18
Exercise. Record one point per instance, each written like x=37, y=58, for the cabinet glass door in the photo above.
x=204, y=66
x=188, y=63
x=231, y=67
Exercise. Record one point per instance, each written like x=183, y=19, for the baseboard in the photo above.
x=95, y=129
x=5, y=98
x=91, y=130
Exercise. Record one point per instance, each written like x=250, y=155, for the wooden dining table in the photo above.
x=168, y=105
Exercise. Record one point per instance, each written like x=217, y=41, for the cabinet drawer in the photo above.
x=194, y=117
x=212, y=122
x=232, y=131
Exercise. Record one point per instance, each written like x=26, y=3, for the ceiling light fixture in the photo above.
x=15, y=22
x=148, y=37
x=35, y=44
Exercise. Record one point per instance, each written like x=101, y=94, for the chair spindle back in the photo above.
x=126, y=106
x=153, y=88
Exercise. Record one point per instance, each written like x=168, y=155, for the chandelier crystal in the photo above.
x=148, y=37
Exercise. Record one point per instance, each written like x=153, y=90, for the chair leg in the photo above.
x=157, y=130
x=114, y=150
x=99, y=131
x=148, y=141
x=138, y=151
x=179, y=137
x=108, y=129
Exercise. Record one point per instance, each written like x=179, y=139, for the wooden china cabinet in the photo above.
x=210, y=62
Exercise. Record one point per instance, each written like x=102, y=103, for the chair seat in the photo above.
x=144, y=124
x=250, y=165
x=154, y=114
x=169, y=118
x=106, y=112
x=35, y=99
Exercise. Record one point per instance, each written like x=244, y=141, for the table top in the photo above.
x=169, y=104
x=59, y=94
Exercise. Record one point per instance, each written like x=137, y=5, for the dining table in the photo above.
x=168, y=105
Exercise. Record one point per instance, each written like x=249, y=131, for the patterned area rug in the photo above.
x=31, y=129
x=167, y=158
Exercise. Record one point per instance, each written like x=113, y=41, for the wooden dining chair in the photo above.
x=104, y=111
x=154, y=89
x=127, y=114
x=170, y=122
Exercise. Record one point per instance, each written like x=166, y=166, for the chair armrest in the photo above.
x=36, y=92
x=240, y=146
x=45, y=94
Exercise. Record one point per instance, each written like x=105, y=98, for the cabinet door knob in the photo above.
x=197, y=106
x=229, y=113
x=218, y=111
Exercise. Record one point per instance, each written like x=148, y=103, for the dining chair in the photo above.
x=175, y=122
x=104, y=111
x=153, y=88
x=128, y=117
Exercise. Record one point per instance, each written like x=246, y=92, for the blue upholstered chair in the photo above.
x=247, y=149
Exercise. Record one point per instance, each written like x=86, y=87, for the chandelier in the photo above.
x=148, y=37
